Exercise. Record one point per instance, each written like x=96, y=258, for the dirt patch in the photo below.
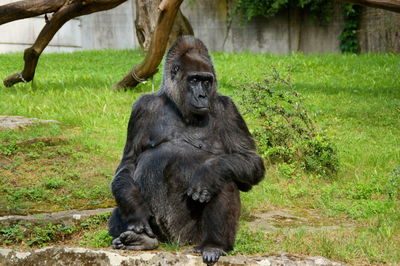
x=271, y=221
x=45, y=140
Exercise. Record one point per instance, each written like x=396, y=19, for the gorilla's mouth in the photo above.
x=200, y=109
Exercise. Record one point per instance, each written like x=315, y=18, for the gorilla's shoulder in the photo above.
x=225, y=103
x=148, y=103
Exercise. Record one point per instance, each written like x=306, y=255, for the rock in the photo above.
x=66, y=218
x=82, y=256
x=16, y=122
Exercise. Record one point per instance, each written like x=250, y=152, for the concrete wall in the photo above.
x=21, y=34
x=379, y=31
x=112, y=29
x=289, y=31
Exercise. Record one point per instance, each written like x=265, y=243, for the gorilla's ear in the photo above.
x=174, y=71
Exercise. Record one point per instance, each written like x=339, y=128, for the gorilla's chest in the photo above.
x=174, y=135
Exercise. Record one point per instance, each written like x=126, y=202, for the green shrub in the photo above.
x=54, y=182
x=284, y=130
x=41, y=236
x=8, y=149
x=35, y=235
x=10, y=235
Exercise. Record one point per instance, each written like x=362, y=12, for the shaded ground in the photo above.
x=272, y=221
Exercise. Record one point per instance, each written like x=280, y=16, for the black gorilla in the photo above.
x=187, y=155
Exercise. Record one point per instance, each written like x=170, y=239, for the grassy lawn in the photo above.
x=354, y=99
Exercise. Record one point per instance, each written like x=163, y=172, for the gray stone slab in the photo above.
x=17, y=122
x=83, y=256
x=64, y=217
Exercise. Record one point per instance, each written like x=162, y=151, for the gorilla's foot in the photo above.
x=130, y=240
x=210, y=255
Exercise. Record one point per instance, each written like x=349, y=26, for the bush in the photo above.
x=282, y=127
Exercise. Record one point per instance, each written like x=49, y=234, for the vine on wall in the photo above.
x=321, y=9
x=348, y=38
x=247, y=9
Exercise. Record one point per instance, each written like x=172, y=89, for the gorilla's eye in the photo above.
x=206, y=84
x=193, y=80
x=174, y=71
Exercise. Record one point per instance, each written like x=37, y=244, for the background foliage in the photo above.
x=348, y=38
x=247, y=9
x=320, y=9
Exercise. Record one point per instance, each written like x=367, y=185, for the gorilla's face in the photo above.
x=198, y=86
x=190, y=79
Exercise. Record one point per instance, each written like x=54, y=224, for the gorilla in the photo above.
x=188, y=153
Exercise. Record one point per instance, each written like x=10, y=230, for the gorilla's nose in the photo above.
x=202, y=100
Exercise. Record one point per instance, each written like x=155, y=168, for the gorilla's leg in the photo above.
x=116, y=225
x=129, y=224
x=132, y=208
x=219, y=223
x=125, y=239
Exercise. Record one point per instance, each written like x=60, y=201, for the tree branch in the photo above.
x=391, y=5
x=28, y=8
x=31, y=55
x=162, y=5
x=66, y=10
x=158, y=44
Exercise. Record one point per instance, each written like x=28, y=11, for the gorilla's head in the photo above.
x=189, y=77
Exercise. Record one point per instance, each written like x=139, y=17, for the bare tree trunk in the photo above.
x=391, y=5
x=154, y=24
x=64, y=10
x=147, y=13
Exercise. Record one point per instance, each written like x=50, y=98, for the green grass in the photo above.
x=355, y=99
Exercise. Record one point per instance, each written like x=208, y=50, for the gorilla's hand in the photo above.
x=138, y=222
x=204, y=184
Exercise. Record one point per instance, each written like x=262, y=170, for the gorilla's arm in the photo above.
x=134, y=209
x=240, y=163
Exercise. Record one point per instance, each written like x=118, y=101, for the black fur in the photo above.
x=183, y=165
